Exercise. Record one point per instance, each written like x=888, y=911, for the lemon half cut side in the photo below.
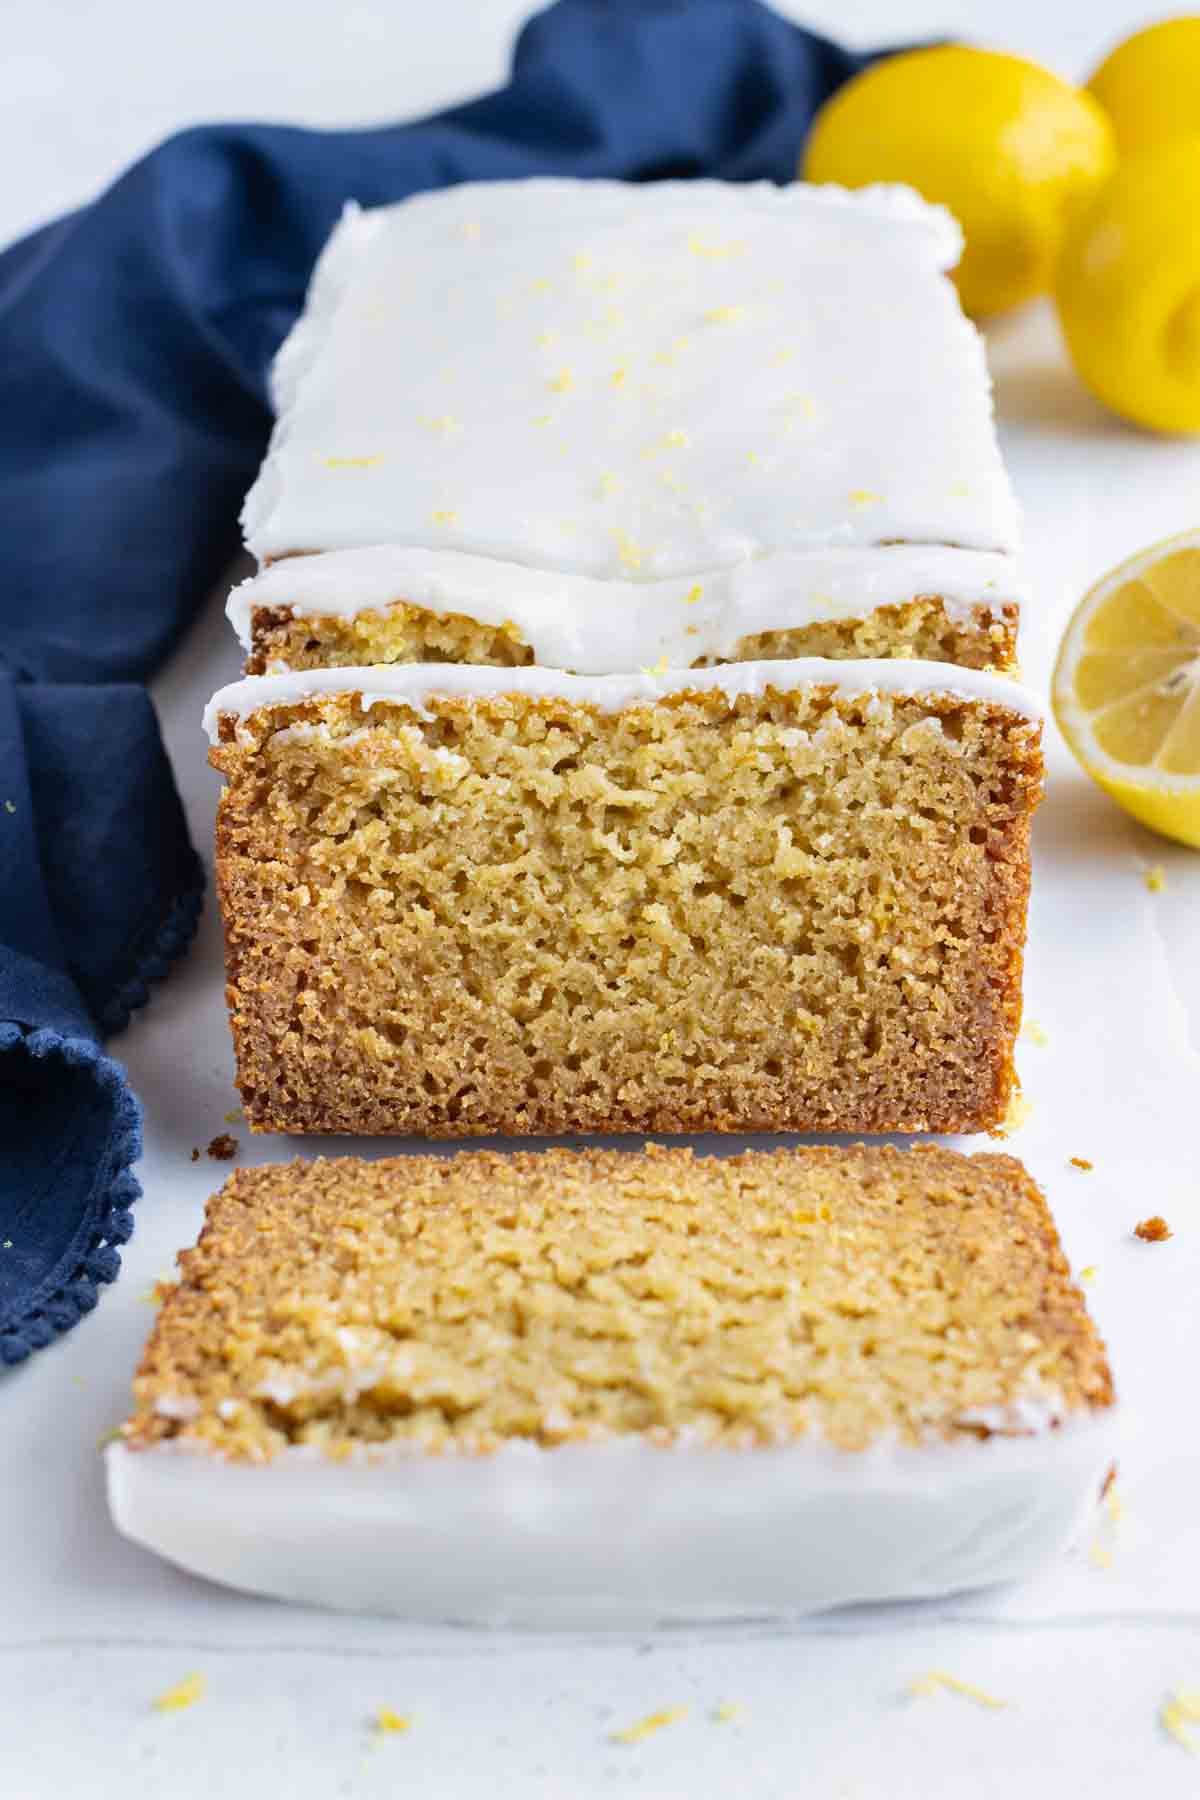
x=1126, y=689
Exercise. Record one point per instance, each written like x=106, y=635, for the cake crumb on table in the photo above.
x=223, y=1148
x=195, y=1154
x=937, y=1679
x=1153, y=1230
x=185, y=1693
x=655, y=1721
x=1081, y=1162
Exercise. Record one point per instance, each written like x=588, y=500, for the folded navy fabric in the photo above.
x=135, y=341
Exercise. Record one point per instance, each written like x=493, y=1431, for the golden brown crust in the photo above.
x=921, y=627
x=459, y=1302
x=805, y=912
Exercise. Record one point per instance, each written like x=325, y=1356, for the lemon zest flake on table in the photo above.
x=389, y=1722
x=936, y=1679
x=185, y=1693
x=1178, y=1711
x=655, y=1721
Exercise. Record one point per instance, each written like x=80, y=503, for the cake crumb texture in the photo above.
x=456, y=1303
x=1153, y=1230
x=402, y=633
x=803, y=910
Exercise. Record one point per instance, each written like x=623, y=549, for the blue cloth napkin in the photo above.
x=135, y=341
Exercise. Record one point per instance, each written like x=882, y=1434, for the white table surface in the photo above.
x=91, y=1628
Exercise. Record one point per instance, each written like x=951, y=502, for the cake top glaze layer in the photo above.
x=634, y=383
x=418, y=684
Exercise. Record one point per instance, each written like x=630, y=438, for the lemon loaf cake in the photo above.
x=764, y=896
x=592, y=1386
x=593, y=425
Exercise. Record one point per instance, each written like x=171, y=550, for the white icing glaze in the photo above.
x=617, y=1532
x=595, y=627
x=633, y=382
x=414, y=684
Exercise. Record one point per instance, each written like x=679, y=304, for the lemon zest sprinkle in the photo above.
x=729, y=1712
x=388, y=1721
x=724, y=315
x=694, y=595
x=936, y=1679
x=655, y=1721
x=1034, y=1033
x=1178, y=1711
x=1155, y=878
x=709, y=247
x=352, y=462
x=443, y=515
x=185, y=1693
x=631, y=554
x=563, y=382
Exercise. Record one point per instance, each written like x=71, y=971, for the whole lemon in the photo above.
x=1150, y=85
x=1128, y=289
x=1011, y=149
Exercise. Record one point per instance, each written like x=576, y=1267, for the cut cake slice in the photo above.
x=585, y=1387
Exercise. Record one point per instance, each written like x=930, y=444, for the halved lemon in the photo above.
x=1126, y=688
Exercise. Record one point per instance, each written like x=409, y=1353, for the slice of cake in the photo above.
x=593, y=425
x=767, y=896
x=579, y=1387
